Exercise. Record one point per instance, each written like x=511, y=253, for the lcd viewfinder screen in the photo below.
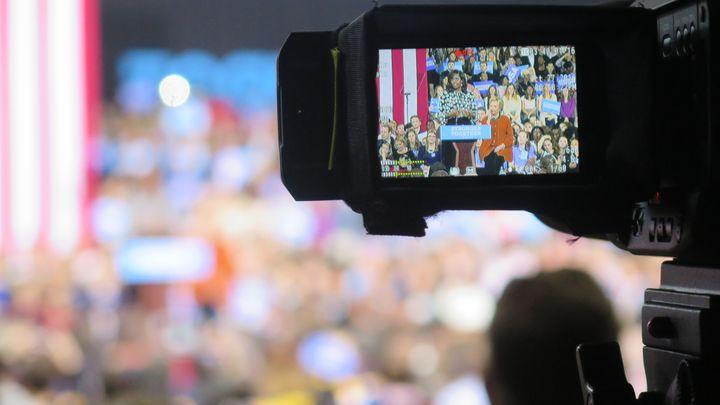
x=477, y=111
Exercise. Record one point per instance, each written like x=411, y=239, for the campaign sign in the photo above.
x=157, y=260
x=434, y=105
x=484, y=86
x=564, y=81
x=465, y=132
x=479, y=103
x=476, y=68
x=550, y=106
x=491, y=67
x=551, y=83
x=454, y=66
x=512, y=73
x=430, y=64
x=539, y=87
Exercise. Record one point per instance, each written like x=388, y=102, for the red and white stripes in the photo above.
x=402, y=85
x=49, y=96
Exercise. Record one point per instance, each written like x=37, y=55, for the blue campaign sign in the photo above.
x=539, y=87
x=476, y=68
x=483, y=87
x=434, y=105
x=430, y=64
x=157, y=260
x=550, y=106
x=465, y=132
x=479, y=103
x=491, y=67
x=564, y=81
x=512, y=73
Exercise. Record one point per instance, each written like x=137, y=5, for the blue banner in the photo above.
x=512, y=73
x=430, y=64
x=539, y=87
x=476, y=68
x=465, y=132
x=564, y=81
x=484, y=86
x=550, y=106
x=434, y=105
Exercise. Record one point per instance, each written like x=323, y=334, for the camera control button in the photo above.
x=666, y=45
x=693, y=36
x=661, y=327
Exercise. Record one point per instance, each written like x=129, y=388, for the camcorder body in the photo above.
x=633, y=105
x=599, y=120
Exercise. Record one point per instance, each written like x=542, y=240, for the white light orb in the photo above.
x=174, y=90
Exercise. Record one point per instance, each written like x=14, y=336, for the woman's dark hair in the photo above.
x=469, y=65
x=463, y=86
x=527, y=142
x=416, y=143
x=528, y=88
x=570, y=132
x=532, y=132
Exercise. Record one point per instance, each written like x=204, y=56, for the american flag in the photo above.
x=402, y=85
x=49, y=115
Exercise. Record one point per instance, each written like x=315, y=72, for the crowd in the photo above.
x=527, y=96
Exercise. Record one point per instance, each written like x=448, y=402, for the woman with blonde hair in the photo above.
x=512, y=104
x=546, y=118
x=432, y=151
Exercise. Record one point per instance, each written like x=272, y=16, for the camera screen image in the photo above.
x=477, y=111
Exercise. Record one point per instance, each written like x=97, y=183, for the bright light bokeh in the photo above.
x=174, y=90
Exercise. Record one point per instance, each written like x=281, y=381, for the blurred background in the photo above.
x=149, y=252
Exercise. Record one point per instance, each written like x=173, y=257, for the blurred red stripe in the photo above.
x=93, y=106
x=90, y=74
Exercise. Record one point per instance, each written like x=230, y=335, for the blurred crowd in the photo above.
x=300, y=306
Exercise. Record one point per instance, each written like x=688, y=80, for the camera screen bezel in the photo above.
x=590, y=102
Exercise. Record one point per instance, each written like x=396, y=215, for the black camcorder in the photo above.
x=599, y=120
x=576, y=114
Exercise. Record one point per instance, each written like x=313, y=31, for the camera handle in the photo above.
x=681, y=333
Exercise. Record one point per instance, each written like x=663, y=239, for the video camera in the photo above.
x=599, y=120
